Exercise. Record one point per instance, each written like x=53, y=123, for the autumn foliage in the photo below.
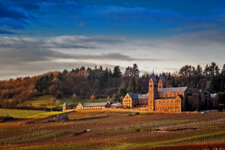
x=83, y=82
x=92, y=97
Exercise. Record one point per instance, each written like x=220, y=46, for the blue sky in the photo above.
x=44, y=35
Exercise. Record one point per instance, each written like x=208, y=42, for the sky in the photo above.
x=39, y=36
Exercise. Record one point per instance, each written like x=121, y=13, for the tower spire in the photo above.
x=152, y=92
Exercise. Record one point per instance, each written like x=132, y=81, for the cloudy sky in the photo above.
x=162, y=35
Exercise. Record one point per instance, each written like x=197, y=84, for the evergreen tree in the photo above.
x=64, y=72
x=132, y=86
x=82, y=68
x=116, y=72
x=138, y=86
x=207, y=70
x=223, y=70
x=122, y=91
x=43, y=83
x=135, y=70
x=199, y=70
x=217, y=84
x=214, y=69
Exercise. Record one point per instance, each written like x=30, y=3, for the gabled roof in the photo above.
x=169, y=98
x=133, y=95
x=94, y=104
x=116, y=104
x=138, y=96
x=142, y=96
x=174, y=89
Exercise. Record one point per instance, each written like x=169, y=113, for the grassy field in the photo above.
x=43, y=101
x=114, y=130
x=26, y=113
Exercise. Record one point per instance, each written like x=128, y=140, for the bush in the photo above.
x=75, y=96
x=5, y=118
x=92, y=97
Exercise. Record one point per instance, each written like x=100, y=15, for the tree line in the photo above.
x=102, y=83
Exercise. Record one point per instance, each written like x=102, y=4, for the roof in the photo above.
x=116, y=104
x=162, y=78
x=138, y=96
x=93, y=104
x=169, y=98
x=153, y=77
x=195, y=90
x=174, y=89
x=213, y=95
x=163, y=98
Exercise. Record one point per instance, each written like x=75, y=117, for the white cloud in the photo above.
x=21, y=56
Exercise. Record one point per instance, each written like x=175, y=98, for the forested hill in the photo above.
x=102, y=83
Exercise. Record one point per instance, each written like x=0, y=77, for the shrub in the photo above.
x=5, y=118
x=92, y=97
x=74, y=95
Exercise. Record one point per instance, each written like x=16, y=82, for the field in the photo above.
x=116, y=130
x=43, y=101
x=26, y=113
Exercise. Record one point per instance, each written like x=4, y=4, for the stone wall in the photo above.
x=168, y=105
x=170, y=94
x=140, y=102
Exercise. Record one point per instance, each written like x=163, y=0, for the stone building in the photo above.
x=175, y=99
x=91, y=106
x=99, y=106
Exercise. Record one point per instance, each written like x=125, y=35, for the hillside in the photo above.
x=49, y=101
x=82, y=83
x=117, y=130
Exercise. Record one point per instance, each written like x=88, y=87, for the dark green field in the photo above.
x=114, y=130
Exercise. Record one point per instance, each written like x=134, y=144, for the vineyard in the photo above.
x=116, y=130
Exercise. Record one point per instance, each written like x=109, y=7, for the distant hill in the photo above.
x=81, y=83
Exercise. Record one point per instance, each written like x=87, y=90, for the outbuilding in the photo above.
x=91, y=106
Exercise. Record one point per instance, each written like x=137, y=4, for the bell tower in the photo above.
x=161, y=83
x=152, y=92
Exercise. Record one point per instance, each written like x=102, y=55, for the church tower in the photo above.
x=152, y=92
x=161, y=83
